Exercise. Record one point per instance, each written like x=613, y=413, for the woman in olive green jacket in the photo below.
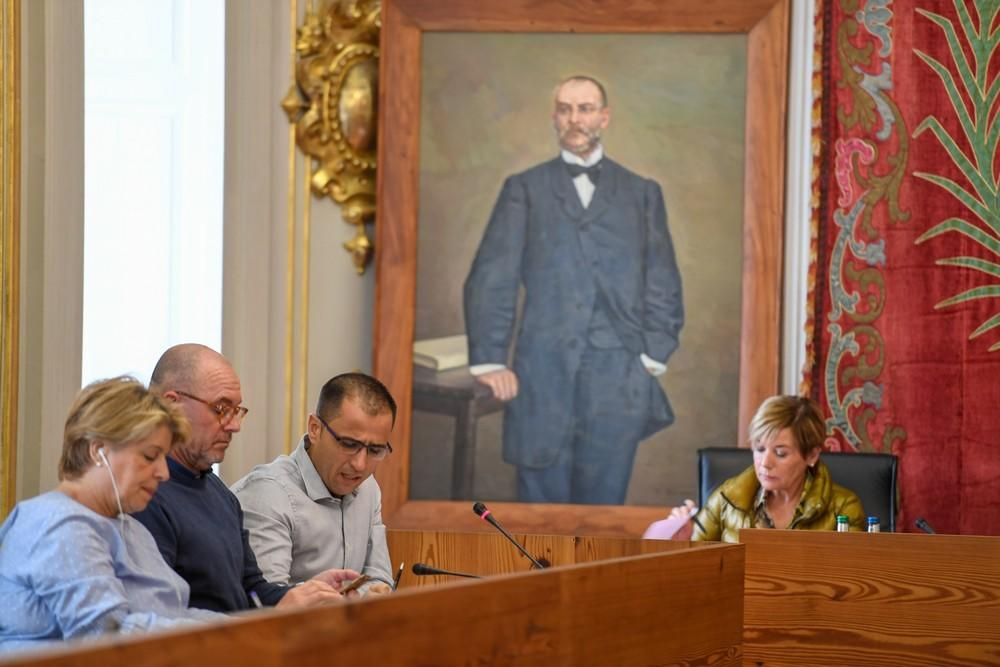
x=786, y=487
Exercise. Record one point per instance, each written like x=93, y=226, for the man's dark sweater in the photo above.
x=198, y=525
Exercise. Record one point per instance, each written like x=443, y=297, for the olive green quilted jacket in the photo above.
x=730, y=507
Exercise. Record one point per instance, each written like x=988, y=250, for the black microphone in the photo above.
x=483, y=513
x=922, y=524
x=420, y=570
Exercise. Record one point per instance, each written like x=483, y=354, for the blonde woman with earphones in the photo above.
x=73, y=563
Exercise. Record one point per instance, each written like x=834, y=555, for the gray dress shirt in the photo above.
x=298, y=528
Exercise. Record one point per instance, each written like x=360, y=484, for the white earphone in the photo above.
x=114, y=485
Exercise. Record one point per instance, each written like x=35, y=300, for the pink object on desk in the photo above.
x=666, y=528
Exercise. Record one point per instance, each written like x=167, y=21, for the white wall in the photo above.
x=256, y=267
x=797, y=199
x=52, y=234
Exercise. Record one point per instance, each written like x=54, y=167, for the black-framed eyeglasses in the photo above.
x=352, y=446
x=224, y=410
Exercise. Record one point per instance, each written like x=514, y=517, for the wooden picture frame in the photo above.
x=766, y=24
x=10, y=245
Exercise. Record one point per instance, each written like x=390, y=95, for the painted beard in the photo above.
x=592, y=138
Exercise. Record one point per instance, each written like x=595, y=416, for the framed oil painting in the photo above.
x=697, y=98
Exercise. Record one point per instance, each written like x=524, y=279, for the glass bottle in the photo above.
x=842, y=523
x=873, y=525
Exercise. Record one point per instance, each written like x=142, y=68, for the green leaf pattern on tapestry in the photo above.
x=973, y=99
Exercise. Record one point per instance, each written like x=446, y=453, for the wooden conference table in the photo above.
x=780, y=598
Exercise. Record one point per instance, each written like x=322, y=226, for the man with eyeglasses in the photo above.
x=320, y=507
x=196, y=521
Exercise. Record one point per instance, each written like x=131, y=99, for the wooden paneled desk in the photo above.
x=879, y=600
x=457, y=394
x=490, y=554
x=682, y=606
x=782, y=598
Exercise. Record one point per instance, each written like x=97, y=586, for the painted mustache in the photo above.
x=587, y=132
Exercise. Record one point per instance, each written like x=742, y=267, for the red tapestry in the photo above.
x=905, y=296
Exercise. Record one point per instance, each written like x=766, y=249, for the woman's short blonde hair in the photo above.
x=798, y=413
x=116, y=412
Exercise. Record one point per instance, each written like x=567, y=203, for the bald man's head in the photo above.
x=205, y=386
x=179, y=366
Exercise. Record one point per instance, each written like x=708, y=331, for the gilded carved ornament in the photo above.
x=332, y=104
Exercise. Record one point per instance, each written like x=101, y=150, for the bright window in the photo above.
x=154, y=98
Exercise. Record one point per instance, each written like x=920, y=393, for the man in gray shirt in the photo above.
x=320, y=507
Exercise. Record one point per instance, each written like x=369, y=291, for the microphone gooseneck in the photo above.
x=922, y=524
x=484, y=513
x=421, y=570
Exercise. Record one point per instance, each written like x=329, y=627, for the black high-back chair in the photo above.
x=871, y=476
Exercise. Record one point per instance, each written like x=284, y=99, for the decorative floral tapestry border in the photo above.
x=906, y=236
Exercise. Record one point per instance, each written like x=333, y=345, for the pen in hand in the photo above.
x=399, y=575
x=690, y=511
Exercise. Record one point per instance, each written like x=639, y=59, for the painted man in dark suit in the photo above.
x=587, y=240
